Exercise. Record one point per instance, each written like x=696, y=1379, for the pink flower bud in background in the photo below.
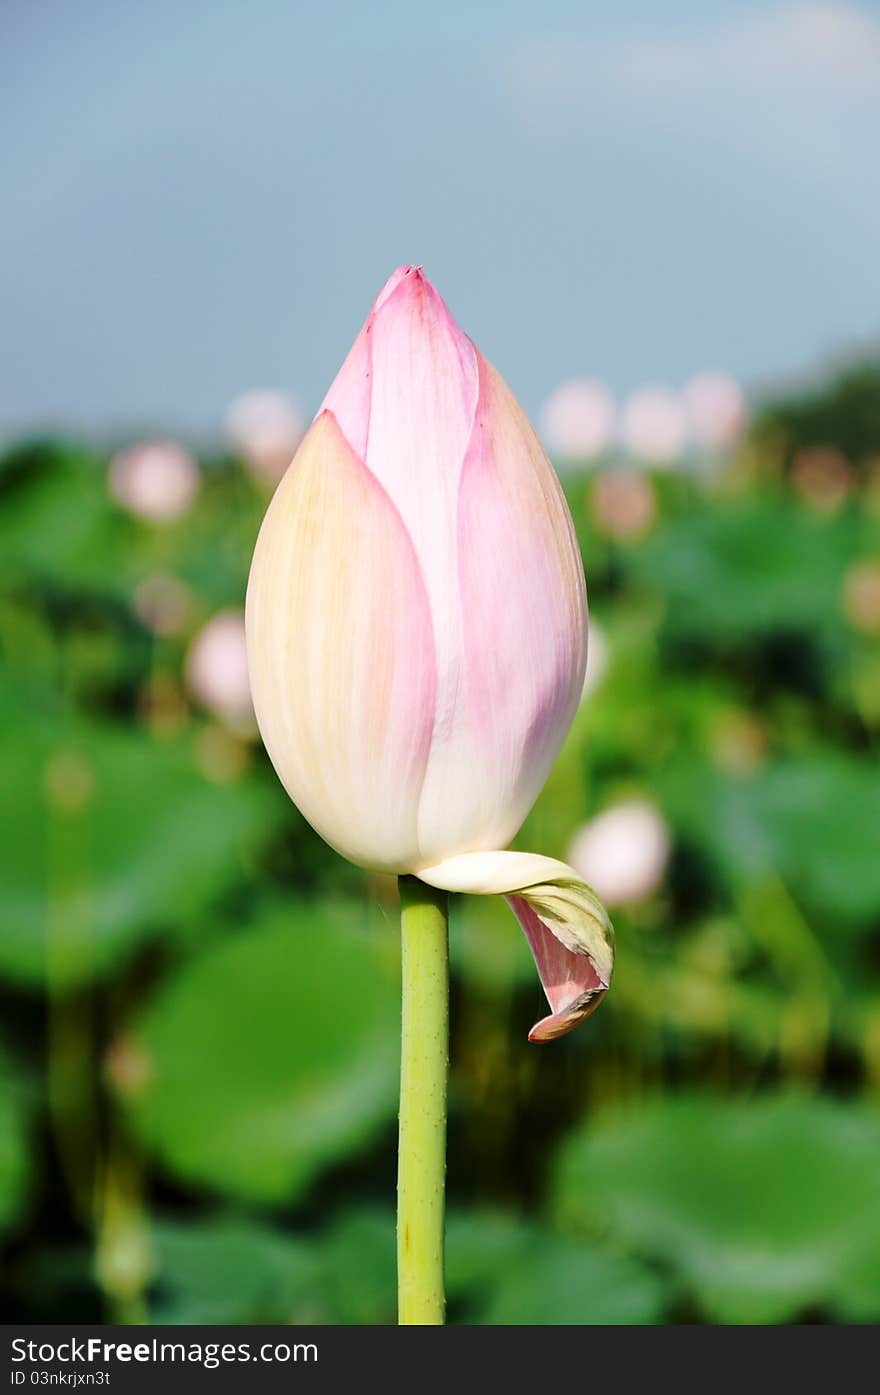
x=217, y=669
x=158, y=480
x=624, y=504
x=265, y=427
x=622, y=852
x=578, y=420
x=416, y=624
x=654, y=425
x=716, y=409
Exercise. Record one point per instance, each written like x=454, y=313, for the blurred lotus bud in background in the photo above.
x=622, y=853
x=822, y=477
x=163, y=603
x=861, y=596
x=217, y=670
x=157, y=480
x=578, y=420
x=265, y=427
x=624, y=504
x=716, y=410
x=654, y=425
x=598, y=657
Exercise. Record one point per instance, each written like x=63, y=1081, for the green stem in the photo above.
x=424, y=1063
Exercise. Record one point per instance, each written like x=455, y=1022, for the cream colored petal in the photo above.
x=341, y=653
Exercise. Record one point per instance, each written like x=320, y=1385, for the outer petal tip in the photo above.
x=558, y=1024
x=394, y=280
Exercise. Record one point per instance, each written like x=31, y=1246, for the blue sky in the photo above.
x=200, y=198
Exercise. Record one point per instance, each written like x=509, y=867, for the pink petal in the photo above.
x=350, y=392
x=405, y=396
x=571, y=981
x=349, y=397
x=523, y=605
x=424, y=394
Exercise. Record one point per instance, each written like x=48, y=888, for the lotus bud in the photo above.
x=266, y=427
x=157, y=480
x=716, y=408
x=654, y=426
x=417, y=626
x=217, y=669
x=624, y=504
x=578, y=419
x=623, y=851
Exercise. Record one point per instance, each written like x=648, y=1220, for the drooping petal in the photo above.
x=567, y=927
x=341, y=653
x=571, y=980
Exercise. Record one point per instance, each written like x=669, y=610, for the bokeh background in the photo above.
x=660, y=223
